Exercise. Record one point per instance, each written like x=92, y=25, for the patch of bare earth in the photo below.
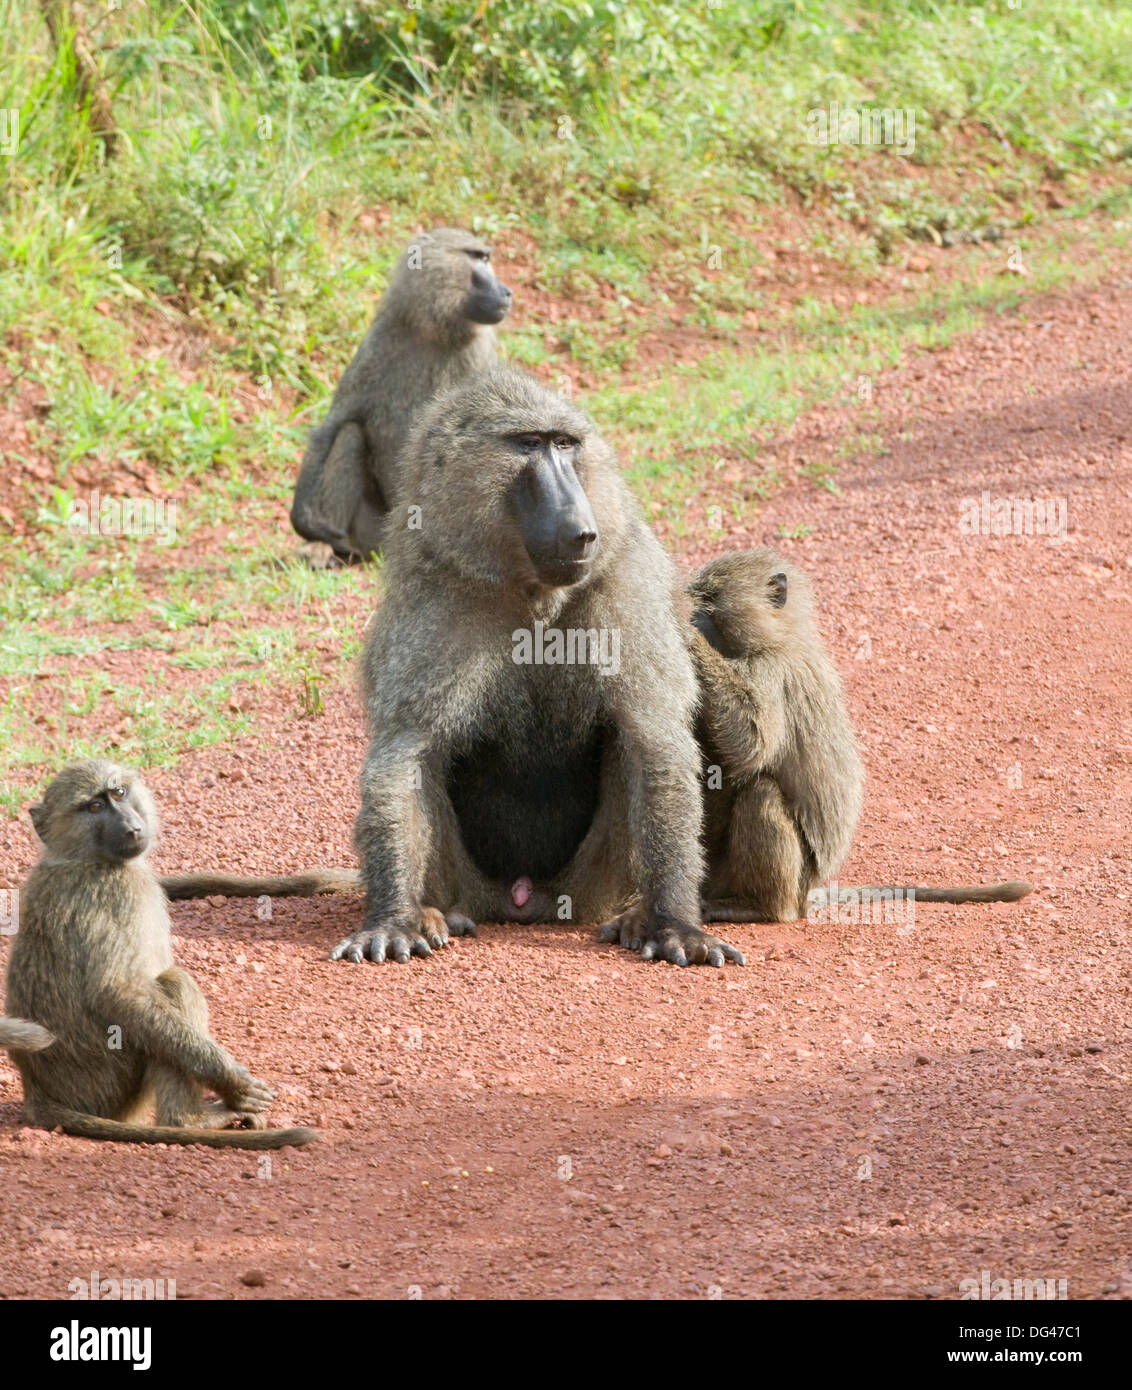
x=859, y=1112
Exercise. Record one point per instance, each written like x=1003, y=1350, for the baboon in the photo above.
x=781, y=815
x=528, y=691
x=105, y=1027
x=433, y=328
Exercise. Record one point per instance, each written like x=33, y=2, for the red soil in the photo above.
x=857, y=1113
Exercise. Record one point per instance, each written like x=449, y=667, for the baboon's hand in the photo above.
x=246, y=1094
x=663, y=939
x=399, y=938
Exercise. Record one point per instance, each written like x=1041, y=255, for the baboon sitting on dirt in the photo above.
x=108, y=1027
x=528, y=692
x=784, y=778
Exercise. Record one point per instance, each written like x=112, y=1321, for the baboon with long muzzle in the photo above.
x=506, y=779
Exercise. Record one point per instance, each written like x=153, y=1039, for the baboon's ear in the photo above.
x=38, y=814
x=778, y=587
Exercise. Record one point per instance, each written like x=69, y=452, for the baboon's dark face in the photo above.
x=489, y=300
x=115, y=822
x=555, y=519
x=704, y=621
x=96, y=810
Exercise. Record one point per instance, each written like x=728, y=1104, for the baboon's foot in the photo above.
x=319, y=555
x=662, y=939
x=248, y=1095
x=216, y=1115
x=400, y=938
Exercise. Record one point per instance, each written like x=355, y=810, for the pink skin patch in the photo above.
x=521, y=890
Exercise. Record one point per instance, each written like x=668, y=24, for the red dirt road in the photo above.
x=859, y=1112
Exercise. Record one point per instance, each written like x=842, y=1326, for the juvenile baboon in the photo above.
x=784, y=779
x=108, y=1028
x=433, y=328
x=528, y=691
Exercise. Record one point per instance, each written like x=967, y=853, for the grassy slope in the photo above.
x=683, y=256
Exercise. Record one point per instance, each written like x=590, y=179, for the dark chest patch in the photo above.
x=525, y=802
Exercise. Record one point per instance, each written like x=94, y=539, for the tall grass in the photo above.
x=275, y=153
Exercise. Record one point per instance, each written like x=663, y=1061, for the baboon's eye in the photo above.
x=484, y=256
x=117, y=793
x=565, y=441
x=95, y=805
x=529, y=442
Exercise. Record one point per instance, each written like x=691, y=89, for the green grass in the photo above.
x=727, y=405
x=184, y=309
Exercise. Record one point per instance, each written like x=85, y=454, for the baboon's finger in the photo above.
x=347, y=949
x=254, y=1096
x=459, y=925
x=434, y=929
x=251, y=1105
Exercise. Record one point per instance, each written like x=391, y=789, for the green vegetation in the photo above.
x=180, y=310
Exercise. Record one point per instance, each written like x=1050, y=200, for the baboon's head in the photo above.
x=96, y=810
x=515, y=486
x=444, y=287
x=750, y=601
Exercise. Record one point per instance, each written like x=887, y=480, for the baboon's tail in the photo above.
x=18, y=1035
x=95, y=1127
x=305, y=885
x=976, y=893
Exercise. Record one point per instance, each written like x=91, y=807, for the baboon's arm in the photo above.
x=152, y=1024
x=665, y=807
x=745, y=724
x=392, y=832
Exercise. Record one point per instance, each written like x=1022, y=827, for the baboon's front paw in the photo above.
x=252, y=1096
x=400, y=939
x=666, y=940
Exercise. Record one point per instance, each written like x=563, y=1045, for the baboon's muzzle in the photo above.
x=555, y=519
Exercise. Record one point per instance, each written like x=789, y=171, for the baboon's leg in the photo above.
x=764, y=876
x=604, y=876
x=330, y=491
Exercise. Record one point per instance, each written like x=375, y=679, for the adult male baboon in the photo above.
x=528, y=691
x=785, y=780
x=110, y=1027
x=433, y=329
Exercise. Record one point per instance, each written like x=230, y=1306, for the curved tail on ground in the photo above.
x=309, y=884
x=95, y=1127
x=1008, y=892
